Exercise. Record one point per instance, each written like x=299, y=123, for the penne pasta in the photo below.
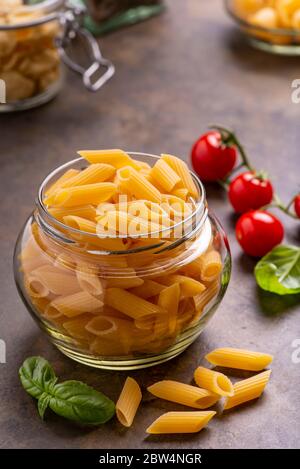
x=73, y=305
x=88, y=280
x=86, y=211
x=76, y=327
x=239, y=358
x=48, y=278
x=169, y=301
x=107, y=348
x=181, y=168
x=82, y=195
x=181, y=422
x=184, y=394
x=137, y=185
x=124, y=223
x=148, y=289
x=213, y=381
x=113, y=329
x=188, y=286
x=58, y=183
x=210, y=266
x=116, y=158
x=202, y=299
x=128, y=402
x=92, y=174
x=124, y=282
x=182, y=193
x=164, y=175
x=248, y=389
x=80, y=223
x=130, y=304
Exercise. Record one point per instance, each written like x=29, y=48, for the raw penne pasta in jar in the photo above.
x=130, y=262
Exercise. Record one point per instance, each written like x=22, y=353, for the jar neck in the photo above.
x=169, y=242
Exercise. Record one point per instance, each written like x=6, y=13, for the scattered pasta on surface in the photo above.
x=213, y=381
x=128, y=402
x=184, y=394
x=248, y=389
x=239, y=358
x=181, y=422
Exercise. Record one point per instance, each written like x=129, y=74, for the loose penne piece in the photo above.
x=248, y=389
x=239, y=358
x=213, y=381
x=181, y=422
x=128, y=402
x=184, y=394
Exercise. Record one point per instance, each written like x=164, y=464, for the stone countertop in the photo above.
x=175, y=74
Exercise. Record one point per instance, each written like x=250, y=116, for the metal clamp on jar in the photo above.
x=34, y=39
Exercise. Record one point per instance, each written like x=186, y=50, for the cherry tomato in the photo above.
x=248, y=191
x=258, y=232
x=212, y=159
x=297, y=205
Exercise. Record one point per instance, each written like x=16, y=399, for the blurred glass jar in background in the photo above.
x=33, y=39
x=107, y=15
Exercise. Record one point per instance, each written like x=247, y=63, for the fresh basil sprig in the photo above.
x=73, y=400
x=279, y=271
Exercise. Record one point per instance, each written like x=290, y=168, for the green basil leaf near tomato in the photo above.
x=72, y=400
x=279, y=271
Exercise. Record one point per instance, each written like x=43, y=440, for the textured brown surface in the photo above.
x=175, y=74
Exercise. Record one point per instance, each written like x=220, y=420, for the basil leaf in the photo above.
x=43, y=404
x=279, y=271
x=73, y=400
x=37, y=376
x=79, y=402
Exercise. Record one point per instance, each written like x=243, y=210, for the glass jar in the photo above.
x=106, y=308
x=282, y=37
x=33, y=40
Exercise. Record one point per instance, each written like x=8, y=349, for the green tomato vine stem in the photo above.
x=229, y=138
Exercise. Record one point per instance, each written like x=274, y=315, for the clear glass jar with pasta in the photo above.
x=35, y=37
x=109, y=291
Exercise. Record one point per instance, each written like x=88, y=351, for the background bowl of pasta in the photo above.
x=270, y=25
x=121, y=263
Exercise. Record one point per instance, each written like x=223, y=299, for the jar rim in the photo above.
x=48, y=7
x=196, y=214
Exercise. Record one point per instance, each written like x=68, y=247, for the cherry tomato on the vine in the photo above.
x=249, y=191
x=212, y=158
x=297, y=205
x=258, y=232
